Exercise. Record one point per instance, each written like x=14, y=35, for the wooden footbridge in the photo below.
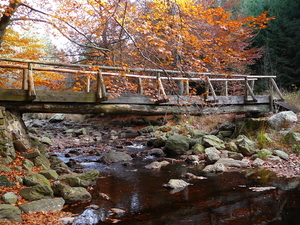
x=155, y=91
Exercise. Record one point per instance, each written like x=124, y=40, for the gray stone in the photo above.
x=157, y=165
x=177, y=144
x=215, y=168
x=192, y=158
x=282, y=120
x=74, y=181
x=81, y=131
x=27, y=164
x=212, y=154
x=89, y=175
x=112, y=157
x=31, y=154
x=31, y=179
x=49, y=174
x=232, y=163
x=42, y=162
x=258, y=162
x=225, y=133
x=36, y=192
x=176, y=184
x=235, y=155
x=20, y=146
x=245, y=145
x=56, y=118
x=156, y=152
x=10, y=213
x=9, y=198
x=7, y=160
x=46, y=140
x=281, y=154
x=71, y=195
x=44, y=205
x=227, y=126
x=292, y=137
x=213, y=141
x=5, y=168
x=273, y=158
x=198, y=149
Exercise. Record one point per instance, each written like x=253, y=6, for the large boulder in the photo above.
x=282, y=120
x=56, y=118
x=245, y=145
x=212, y=154
x=71, y=195
x=36, y=192
x=113, y=157
x=31, y=179
x=177, y=144
x=213, y=141
x=10, y=213
x=44, y=205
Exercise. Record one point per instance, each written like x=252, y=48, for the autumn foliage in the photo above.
x=185, y=35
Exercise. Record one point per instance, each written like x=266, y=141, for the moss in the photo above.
x=5, y=182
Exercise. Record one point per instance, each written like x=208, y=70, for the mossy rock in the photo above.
x=5, y=182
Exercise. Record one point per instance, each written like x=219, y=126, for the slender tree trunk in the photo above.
x=5, y=19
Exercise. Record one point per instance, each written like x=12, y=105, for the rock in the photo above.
x=49, y=174
x=27, y=164
x=232, y=163
x=112, y=157
x=198, y=149
x=5, y=182
x=89, y=175
x=193, y=176
x=20, y=146
x=5, y=168
x=81, y=131
x=227, y=126
x=157, y=165
x=117, y=211
x=44, y=205
x=31, y=179
x=10, y=213
x=213, y=141
x=258, y=162
x=282, y=154
x=42, y=162
x=273, y=158
x=264, y=153
x=235, y=155
x=7, y=160
x=74, y=181
x=36, y=192
x=282, y=120
x=177, y=144
x=46, y=140
x=176, y=184
x=67, y=220
x=56, y=118
x=9, y=198
x=215, y=168
x=192, y=158
x=212, y=154
x=71, y=195
x=245, y=145
x=31, y=154
x=156, y=152
x=292, y=137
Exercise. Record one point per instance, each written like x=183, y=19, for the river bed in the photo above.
x=236, y=197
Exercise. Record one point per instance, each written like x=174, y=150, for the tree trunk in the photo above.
x=5, y=19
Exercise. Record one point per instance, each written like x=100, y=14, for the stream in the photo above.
x=229, y=198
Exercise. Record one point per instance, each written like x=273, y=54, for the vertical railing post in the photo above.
x=272, y=109
x=25, y=79
x=187, y=87
x=226, y=88
x=88, y=83
x=140, y=86
x=246, y=89
x=101, y=91
x=181, y=87
x=31, y=89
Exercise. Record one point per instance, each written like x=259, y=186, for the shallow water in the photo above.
x=220, y=199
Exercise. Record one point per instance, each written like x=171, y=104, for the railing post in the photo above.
x=187, y=87
x=157, y=82
x=25, y=79
x=246, y=90
x=226, y=88
x=160, y=87
x=140, y=86
x=88, y=84
x=31, y=89
x=181, y=87
x=272, y=109
x=101, y=91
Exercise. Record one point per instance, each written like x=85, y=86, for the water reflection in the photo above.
x=221, y=199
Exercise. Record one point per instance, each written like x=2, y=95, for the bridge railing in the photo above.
x=182, y=78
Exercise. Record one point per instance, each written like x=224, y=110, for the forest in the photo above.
x=217, y=36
